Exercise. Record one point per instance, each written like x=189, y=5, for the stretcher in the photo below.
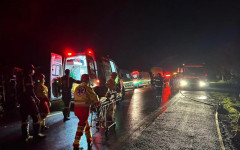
x=99, y=115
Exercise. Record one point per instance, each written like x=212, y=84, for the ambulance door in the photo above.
x=92, y=71
x=56, y=72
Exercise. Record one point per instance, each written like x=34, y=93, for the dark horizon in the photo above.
x=137, y=35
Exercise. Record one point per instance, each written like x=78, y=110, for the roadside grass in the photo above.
x=231, y=106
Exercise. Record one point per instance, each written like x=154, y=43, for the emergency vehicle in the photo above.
x=99, y=71
x=127, y=79
x=141, y=79
x=193, y=76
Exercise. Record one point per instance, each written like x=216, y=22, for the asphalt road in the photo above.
x=175, y=122
x=189, y=123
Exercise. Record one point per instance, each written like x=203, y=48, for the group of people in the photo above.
x=34, y=101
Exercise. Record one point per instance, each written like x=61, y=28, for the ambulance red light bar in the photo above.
x=135, y=73
x=68, y=52
x=167, y=75
x=89, y=52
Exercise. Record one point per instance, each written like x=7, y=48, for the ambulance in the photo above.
x=141, y=79
x=99, y=71
x=127, y=79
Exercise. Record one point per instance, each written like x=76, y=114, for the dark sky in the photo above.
x=136, y=34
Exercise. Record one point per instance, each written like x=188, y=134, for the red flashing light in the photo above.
x=69, y=54
x=89, y=52
x=97, y=81
x=135, y=73
x=206, y=75
x=167, y=75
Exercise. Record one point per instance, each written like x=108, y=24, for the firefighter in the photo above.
x=42, y=94
x=158, y=84
x=28, y=105
x=67, y=83
x=112, y=87
x=84, y=97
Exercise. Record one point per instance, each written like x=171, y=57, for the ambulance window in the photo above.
x=77, y=66
x=91, y=66
x=114, y=69
x=128, y=76
x=135, y=76
x=55, y=70
x=107, y=69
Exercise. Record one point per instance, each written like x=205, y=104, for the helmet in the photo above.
x=85, y=78
x=40, y=76
x=30, y=67
x=114, y=74
x=159, y=74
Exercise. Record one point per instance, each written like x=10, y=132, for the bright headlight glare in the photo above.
x=183, y=83
x=202, y=83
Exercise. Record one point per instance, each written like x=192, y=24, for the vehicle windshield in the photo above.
x=194, y=71
x=77, y=66
x=135, y=76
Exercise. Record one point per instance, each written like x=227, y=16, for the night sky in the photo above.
x=136, y=34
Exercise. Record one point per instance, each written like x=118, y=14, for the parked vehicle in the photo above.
x=98, y=68
x=193, y=76
x=141, y=79
x=127, y=79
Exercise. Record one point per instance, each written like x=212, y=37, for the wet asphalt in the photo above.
x=142, y=122
x=189, y=123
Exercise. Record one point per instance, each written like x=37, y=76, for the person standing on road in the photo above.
x=67, y=83
x=28, y=105
x=158, y=84
x=42, y=94
x=112, y=87
x=84, y=97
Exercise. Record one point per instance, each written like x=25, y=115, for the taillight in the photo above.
x=97, y=81
x=168, y=75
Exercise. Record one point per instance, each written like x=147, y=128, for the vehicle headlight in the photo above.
x=202, y=83
x=135, y=82
x=183, y=83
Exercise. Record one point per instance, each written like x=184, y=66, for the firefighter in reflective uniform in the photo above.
x=158, y=84
x=67, y=83
x=112, y=87
x=84, y=97
x=42, y=94
x=28, y=105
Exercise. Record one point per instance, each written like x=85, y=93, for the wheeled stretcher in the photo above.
x=100, y=115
